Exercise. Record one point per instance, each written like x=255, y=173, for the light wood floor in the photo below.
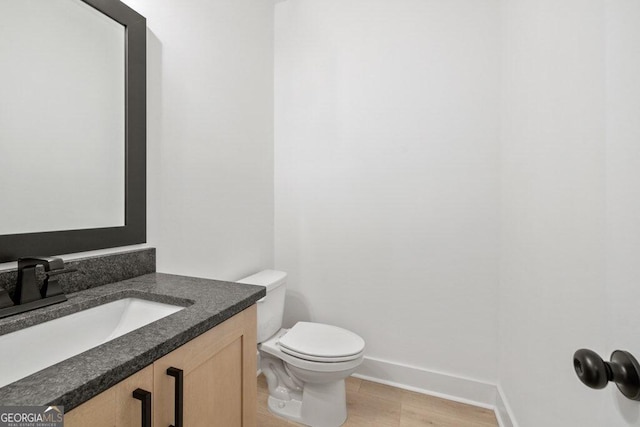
x=375, y=405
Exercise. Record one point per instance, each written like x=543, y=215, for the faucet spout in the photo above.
x=27, y=287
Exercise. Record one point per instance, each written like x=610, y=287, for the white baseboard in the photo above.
x=451, y=387
x=504, y=414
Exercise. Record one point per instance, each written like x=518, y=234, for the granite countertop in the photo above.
x=78, y=379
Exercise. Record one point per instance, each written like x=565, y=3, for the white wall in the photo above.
x=622, y=193
x=570, y=205
x=386, y=176
x=551, y=294
x=210, y=143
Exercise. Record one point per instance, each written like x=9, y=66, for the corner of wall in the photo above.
x=504, y=414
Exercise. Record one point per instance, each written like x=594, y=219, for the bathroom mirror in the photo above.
x=72, y=126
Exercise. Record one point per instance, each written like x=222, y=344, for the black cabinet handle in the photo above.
x=144, y=396
x=178, y=374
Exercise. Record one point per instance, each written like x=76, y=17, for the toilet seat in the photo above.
x=273, y=347
x=317, y=358
x=321, y=343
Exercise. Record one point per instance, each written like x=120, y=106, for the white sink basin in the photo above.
x=29, y=350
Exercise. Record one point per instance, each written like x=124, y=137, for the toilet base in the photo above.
x=289, y=409
x=322, y=405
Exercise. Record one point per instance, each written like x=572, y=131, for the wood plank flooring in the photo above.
x=375, y=405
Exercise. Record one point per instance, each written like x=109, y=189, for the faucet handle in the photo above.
x=49, y=263
x=60, y=271
x=51, y=286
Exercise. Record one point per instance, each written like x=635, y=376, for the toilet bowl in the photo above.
x=306, y=365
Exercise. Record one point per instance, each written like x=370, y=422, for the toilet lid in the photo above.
x=319, y=341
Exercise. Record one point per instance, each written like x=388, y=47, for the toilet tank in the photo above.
x=271, y=307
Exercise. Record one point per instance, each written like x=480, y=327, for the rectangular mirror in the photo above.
x=72, y=126
x=62, y=120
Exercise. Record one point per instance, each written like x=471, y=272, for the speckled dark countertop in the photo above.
x=76, y=380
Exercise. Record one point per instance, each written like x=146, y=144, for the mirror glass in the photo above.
x=62, y=117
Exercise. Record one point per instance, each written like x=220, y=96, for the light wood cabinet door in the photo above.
x=219, y=377
x=115, y=407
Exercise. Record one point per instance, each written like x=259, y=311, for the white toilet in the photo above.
x=306, y=365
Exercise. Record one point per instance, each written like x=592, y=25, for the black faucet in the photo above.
x=27, y=288
x=28, y=296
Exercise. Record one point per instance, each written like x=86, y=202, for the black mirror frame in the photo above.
x=134, y=231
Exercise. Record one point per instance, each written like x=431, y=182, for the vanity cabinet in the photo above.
x=219, y=377
x=210, y=381
x=115, y=406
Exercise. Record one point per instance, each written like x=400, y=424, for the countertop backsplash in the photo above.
x=95, y=271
